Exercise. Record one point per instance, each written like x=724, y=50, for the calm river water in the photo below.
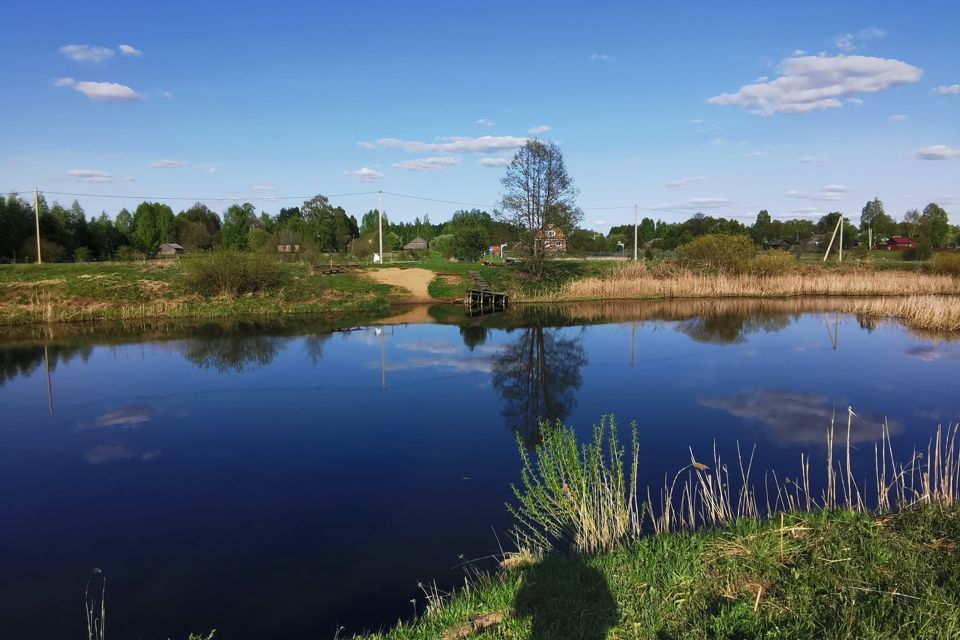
x=280, y=479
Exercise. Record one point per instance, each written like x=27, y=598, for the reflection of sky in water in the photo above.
x=348, y=466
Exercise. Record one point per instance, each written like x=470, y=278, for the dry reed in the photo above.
x=923, y=312
x=636, y=280
x=703, y=495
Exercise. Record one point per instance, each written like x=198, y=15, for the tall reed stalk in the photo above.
x=584, y=498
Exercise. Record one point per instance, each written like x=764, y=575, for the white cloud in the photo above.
x=437, y=163
x=485, y=122
x=88, y=175
x=855, y=101
x=851, y=41
x=129, y=179
x=495, y=162
x=829, y=193
x=167, y=164
x=810, y=83
x=798, y=52
x=539, y=129
x=683, y=183
x=86, y=52
x=845, y=42
x=263, y=187
x=456, y=144
x=812, y=160
x=936, y=152
x=101, y=91
x=166, y=94
x=758, y=154
x=946, y=90
x=363, y=144
x=899, y=117
x=696, y=121
x=697, y=204
x=602, y=57
x=127, y=50
x=213, y=170
x=365, y=174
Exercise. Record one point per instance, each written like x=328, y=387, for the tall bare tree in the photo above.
x=539, y=194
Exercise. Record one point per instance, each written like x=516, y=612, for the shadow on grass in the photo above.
x=566, y=598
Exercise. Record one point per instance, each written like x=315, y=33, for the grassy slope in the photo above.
x=57, y=292
x=823, y=575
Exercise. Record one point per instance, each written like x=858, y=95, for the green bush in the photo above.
x=443, y=244
x=720, y=252
x=583, y=496
x=773, y=263
x=81, y=254
x=918, y=252
x=948, y=263
x=231, y=273
x=126, y=254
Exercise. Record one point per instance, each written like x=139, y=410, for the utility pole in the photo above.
x=36, y=211
x=634, y=233
x=380, y=221
x=841, y=239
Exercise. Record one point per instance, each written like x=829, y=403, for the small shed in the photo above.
x=171, y=249
x=288, y=248
x=417, y=244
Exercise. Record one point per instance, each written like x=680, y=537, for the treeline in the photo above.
x=318, y=226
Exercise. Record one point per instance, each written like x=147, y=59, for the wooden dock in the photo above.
x=482, y=299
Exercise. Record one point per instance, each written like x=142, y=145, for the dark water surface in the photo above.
x=277, y=478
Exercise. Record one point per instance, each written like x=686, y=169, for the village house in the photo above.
x=554, y=240
x=288, y=248
x=896, y=243
x=170, y=249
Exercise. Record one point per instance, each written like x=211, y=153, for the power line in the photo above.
x=370, y=193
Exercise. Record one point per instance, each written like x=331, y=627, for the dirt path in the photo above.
x=413, y=280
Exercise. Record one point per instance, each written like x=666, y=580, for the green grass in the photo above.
x=160, y=289
x=833, y=574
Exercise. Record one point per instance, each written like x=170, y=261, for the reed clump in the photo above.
x=936, y=313
x=668, y=280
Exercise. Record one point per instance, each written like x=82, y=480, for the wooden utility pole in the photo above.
x=380, y=221
x=634, y=233
x=36, y=211
x=834, y=237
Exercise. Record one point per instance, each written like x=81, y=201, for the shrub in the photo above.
x=443, y=244
x=81, y=254
x=773, y=263
x=918, y=252
x=722, y=252
x=948, y=263
x=578, y=496
x=648, y=254
x=231, y=273
x=126, y=254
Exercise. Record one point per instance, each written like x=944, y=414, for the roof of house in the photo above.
x=558, y=232
x=416, y=243
x=900, y=240
x=171, y=245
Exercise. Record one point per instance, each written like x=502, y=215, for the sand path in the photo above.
x=413, y=280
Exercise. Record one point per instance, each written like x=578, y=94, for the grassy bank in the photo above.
x=180, y=289
x=862, y=558
x=163, y=289
x=837, y=574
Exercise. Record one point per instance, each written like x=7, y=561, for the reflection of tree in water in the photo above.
x=313, y=345
x=21, y=361
x=473, y=335
x=537, y=376
x=233, y=351
x=728, y=328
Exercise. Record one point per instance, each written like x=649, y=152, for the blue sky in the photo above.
x=800, y=109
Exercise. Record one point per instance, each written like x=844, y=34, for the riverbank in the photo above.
x=838, y=574
x=161, y=289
